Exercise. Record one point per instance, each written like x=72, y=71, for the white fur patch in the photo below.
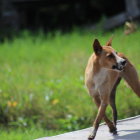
x=118, y=58
x=100, y=78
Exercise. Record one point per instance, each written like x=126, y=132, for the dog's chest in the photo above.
x=100, y=78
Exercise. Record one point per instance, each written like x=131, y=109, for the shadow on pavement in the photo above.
x=135, y=135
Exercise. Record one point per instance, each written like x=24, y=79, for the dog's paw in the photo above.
x=113, y=131
x=91, y=137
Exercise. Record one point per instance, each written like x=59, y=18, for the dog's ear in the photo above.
x=109, y=42
x=97, y=47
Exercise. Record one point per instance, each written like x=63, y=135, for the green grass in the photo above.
x=26, y=134
x=42, y=81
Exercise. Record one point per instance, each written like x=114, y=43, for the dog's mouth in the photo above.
x=119, y=66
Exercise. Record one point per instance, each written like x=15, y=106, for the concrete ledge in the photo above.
x=128, y=129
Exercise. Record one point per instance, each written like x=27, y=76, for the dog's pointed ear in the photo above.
x=109, y=42
x=97, y=47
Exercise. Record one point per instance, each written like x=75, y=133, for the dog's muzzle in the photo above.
x=119, y=66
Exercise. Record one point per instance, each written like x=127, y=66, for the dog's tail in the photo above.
x=130, y=75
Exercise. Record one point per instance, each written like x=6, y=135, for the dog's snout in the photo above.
x=123, y=62
x=120, y=65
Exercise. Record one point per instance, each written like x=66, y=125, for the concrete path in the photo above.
x=128, y=129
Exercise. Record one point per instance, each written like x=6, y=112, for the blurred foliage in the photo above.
x=26, y=134
x=56, y=14
x=42, y=79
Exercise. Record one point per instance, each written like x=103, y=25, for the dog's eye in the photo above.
x=110, y=55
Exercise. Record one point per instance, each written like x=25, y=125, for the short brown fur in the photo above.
x=101, y=81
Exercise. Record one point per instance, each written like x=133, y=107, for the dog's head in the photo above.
x=107, y=56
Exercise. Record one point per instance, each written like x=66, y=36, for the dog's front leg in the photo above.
x=112, y=127
x=98, y=119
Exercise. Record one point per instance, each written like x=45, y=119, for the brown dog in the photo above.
x=103, y=73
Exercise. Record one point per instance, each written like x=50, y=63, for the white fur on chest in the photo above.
x=100, y=78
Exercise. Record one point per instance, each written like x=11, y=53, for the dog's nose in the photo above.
x=123, y=62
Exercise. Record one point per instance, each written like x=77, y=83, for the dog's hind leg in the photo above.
x=112, y=101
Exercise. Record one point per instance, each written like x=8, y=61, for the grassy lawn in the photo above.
x=42, y=81
x=26, y=134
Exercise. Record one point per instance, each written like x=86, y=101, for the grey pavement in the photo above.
x=128, y=129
